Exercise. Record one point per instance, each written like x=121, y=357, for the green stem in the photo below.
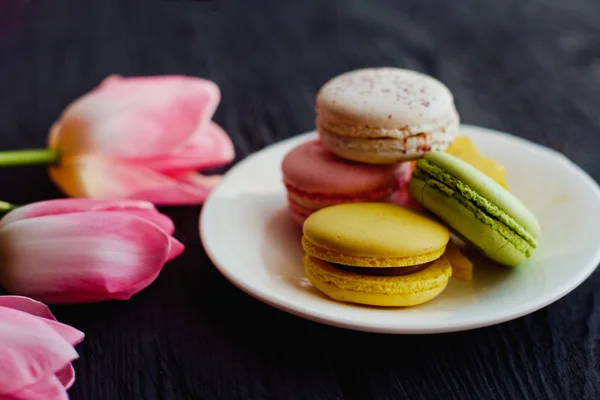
x=29, y=157
x=5, y=208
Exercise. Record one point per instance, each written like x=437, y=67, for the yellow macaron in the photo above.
x=376, y=254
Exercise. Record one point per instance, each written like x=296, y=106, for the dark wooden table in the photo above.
x=531, y=68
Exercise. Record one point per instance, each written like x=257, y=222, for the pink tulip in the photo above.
x=139, y=138
x=84, y=250
x=36, y=351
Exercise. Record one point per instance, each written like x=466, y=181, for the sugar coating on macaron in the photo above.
x=315, y=178
x=385, y=115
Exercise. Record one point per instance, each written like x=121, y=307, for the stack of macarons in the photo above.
x=368, y=122
x=380, y=130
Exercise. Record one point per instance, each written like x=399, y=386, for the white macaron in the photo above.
x=385, y=115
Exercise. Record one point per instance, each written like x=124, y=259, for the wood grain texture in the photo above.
x=527, y=67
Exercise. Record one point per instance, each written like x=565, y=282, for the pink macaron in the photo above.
x=316, y=178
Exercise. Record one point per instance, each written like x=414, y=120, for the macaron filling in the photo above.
x=382, y=271
x=418, y=143
x=434, y=277
x=481, y=207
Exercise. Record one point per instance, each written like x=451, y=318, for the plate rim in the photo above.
x=311, y=314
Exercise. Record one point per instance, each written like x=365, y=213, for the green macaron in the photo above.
x=476, y=207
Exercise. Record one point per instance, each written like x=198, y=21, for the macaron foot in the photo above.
x=366, y=261
x=350, y=296
x=384, y=291
x=372, y=151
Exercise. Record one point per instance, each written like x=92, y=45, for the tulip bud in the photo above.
x=84, y=250
x=139, y=138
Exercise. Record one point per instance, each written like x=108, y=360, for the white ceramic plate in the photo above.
x=249, y=237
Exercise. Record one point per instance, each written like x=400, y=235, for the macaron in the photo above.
x=377, y=254
x=315, y=178
x=476, y=207
x=385, y=115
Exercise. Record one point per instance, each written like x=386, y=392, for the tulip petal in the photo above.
x=82, y=257
x=140, y=208
x=190, y=188
x=101, y=178
x=27, y=305
x=35, y=308
x=30, y=351
x=176, y=249
x=49, y=388
x=161, y=220
x=66, y=206
x=70, y=334
x=136, y=116
x=206, y=149
x=66, y=376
